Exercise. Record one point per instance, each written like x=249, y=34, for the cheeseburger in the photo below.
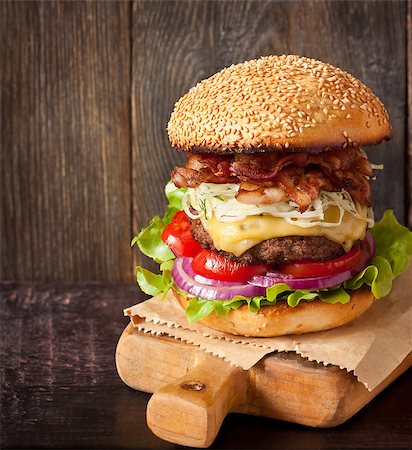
x=268, y=231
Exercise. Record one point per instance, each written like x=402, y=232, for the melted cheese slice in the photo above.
x=237, y=237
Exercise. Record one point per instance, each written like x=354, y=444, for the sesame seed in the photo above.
x=269, y=98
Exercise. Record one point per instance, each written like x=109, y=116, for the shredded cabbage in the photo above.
x=377, y=166
x=219, y=200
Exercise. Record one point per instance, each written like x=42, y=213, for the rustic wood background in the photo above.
x=86, y=93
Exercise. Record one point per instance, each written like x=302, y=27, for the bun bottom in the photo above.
x=280, y=319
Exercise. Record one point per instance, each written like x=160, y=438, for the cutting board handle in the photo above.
x=191, y=410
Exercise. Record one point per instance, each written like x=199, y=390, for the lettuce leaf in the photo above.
x=338, y=295
x=151, y=283
x=151, y=244
x=199, y=308
x=174, y=195
x=148, y=240
x=378, y=275
x=393, y=242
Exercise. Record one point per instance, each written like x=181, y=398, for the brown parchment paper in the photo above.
x=372, y=346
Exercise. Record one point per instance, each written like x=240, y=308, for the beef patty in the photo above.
x=277, y=250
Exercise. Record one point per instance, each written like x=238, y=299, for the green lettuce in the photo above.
x=199, y=308
x=151, y=244
x=393, y=249
x=152, y=283
x=393, y=242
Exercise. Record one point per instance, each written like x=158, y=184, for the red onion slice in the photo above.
x=278, y=275
x=371, y=243
x=303, y=283
x=215, y=290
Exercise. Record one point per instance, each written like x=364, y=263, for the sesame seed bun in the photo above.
x=278, y=103
x=280, y=319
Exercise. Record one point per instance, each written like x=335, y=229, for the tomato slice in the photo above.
x=313, y=269
x=178, y=238
x=210, y=264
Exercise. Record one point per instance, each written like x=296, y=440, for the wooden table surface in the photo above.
x=60, y=388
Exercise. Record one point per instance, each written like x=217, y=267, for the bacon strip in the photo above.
x=300, y=175
x=262, y=165
x=303, y=186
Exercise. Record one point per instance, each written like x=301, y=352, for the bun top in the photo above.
x=278, y=103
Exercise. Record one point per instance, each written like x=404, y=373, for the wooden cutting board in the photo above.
x=193, y=390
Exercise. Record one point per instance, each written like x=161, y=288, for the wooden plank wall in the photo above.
x=87, y=89
x=65, y=141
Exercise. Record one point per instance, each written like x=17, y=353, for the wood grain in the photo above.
x=409, y=135
x=60, y=388
x=57, y=363
x=200, y=401
x=65, y=115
